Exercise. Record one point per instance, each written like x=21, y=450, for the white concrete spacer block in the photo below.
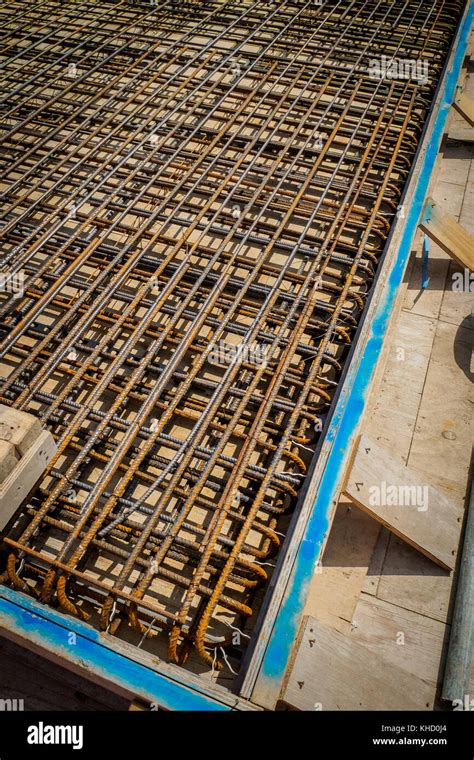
x=19, y=428
x=25, y=450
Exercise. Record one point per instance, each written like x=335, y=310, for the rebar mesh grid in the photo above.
x=196, y=198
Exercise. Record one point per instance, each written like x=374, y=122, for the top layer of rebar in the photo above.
x=196, y=197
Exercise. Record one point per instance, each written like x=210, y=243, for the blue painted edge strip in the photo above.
x=351, y=403
x=83, y=645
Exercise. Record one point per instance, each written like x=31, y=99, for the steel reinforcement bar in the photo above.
x=195, y=200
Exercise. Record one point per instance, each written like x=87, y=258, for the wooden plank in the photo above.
x=464, y=105
x=411, y=581
x=402, y=500
x=335, y=672
x=448, y=234
x=411, y=641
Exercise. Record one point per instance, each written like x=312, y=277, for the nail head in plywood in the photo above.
x=401, y=499
x=332, y=671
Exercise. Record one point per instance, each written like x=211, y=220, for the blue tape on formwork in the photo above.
x=351, y=405
x=80, y=644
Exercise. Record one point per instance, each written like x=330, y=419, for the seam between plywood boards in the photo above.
x=351, y=673
x=266, y=668
x=435, y=538
x=293, y=656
